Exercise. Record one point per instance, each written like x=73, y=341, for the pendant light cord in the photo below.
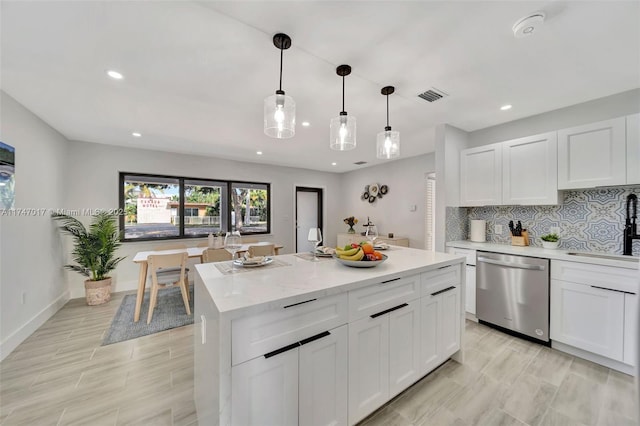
x=281, y=56
x=387, y=110
x=343, y=93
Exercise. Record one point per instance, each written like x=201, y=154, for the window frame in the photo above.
x=181, y=208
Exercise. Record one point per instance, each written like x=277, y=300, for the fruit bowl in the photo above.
x=361, y=263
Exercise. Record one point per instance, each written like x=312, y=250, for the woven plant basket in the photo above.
x=97, y=292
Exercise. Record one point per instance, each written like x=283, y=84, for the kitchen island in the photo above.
x=302, y=342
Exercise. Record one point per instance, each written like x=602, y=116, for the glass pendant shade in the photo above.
x=343, y=133
x=279, y=116
x=388, y=144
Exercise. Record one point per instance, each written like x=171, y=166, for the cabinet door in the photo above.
x=368, y=366
x=630, y=329
x=323, y=380
x=530, y=170
x=592, y=155
x=404, y=347
x=429, y=333
x=633, y=149
x=481, y=176
x=470, y=291
x=264, y=391
x=449, y=323
x=588, y=318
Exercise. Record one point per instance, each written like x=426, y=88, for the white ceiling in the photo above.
x=196, y=73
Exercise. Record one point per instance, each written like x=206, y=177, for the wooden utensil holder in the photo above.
x=520, y=241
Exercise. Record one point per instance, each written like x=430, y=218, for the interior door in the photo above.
x=308, y=215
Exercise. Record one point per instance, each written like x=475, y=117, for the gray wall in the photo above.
x=31, y=255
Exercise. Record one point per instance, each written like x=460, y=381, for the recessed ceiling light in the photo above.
x=306, y=124
x=259, y=152
x=115, y=75
x=136, y=134
x=505, y=107
x=334, y=164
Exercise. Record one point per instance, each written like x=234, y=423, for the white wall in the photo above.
x=617, y=105
x=93, y=183
x=449, y=142
x=31, y=256
x=406, y=180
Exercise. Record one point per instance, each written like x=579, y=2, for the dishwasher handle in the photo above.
x=511, y=264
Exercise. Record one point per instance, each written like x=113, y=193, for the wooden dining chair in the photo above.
x=203, y=244
x=158, y=265
x=247, y=240
x=262, y=250
x=215, y=255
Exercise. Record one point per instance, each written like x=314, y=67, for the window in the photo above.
x=163, y=207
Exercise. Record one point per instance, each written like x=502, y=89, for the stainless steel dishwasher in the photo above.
x=513, y=293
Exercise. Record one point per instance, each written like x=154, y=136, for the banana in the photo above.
x=347, y=252
x=356, y=257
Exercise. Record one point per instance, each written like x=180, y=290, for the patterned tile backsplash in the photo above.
x=589, y=220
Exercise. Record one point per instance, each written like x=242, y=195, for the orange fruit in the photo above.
x=367, y=248
x=378, y=255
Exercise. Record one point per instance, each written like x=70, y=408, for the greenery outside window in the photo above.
x=166, y=207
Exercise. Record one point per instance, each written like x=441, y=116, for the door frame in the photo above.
x=320, y=193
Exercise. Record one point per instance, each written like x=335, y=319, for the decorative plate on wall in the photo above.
x=374, y=191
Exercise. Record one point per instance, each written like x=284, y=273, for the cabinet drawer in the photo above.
x=262, y=333
x=388, y=294
x=470, y=254
x=439, y=279
x=607, y=277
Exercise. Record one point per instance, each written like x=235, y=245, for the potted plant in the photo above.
x=94, y=252
x=550, y=241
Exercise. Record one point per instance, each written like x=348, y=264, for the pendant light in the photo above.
x=280, y=110
x=388, y=142
x=343, y=128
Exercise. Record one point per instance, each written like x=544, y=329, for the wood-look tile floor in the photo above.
x=62, y=376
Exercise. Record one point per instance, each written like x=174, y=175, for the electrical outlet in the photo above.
x=497, y=229
x=554, y=229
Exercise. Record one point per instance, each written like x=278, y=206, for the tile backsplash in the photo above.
x=589, y=220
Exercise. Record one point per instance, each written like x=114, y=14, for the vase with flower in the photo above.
x=351, y=221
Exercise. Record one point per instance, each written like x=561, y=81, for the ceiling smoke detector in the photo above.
x=528, y=25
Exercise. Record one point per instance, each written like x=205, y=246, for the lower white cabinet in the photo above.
x=305, y=384
x=384, y=357
x=631, y=330
x=470, y=288
x=588, y=318
x=440, y=327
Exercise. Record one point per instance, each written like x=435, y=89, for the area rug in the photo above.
x=169, y=313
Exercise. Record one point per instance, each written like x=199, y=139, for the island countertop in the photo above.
x=261, y=289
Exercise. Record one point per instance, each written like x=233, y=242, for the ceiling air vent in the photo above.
x=360, y=163
x=432, y=95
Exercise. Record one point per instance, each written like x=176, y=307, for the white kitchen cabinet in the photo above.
x=592, y=155
x=304, y=384
x=530, y=170
x=633, y=149
x=323, y=380
x=470, y=288
x=430, y=330
x=368, y=366
x=481, y=176
x=450, y=323
x=404, y=347
x=588, y=318
x=264, y=391
x=631, y=330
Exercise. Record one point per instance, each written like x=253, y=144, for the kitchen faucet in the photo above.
x=630, y=229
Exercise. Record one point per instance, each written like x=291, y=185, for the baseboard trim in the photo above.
x=20, y=335
x=598, y=359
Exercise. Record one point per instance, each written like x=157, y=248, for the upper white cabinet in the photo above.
x=592, y=155
x=529, y=170
x=633, y=149
x=481, y=176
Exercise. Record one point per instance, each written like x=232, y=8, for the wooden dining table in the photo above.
x=192, y=252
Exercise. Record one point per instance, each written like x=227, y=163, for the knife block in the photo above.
x=520, y=241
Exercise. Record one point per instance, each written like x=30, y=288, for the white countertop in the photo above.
x=261, y=289
x=555, y=254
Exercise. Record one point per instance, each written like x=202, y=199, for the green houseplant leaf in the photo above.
x=551, y=238
x=94, y=248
